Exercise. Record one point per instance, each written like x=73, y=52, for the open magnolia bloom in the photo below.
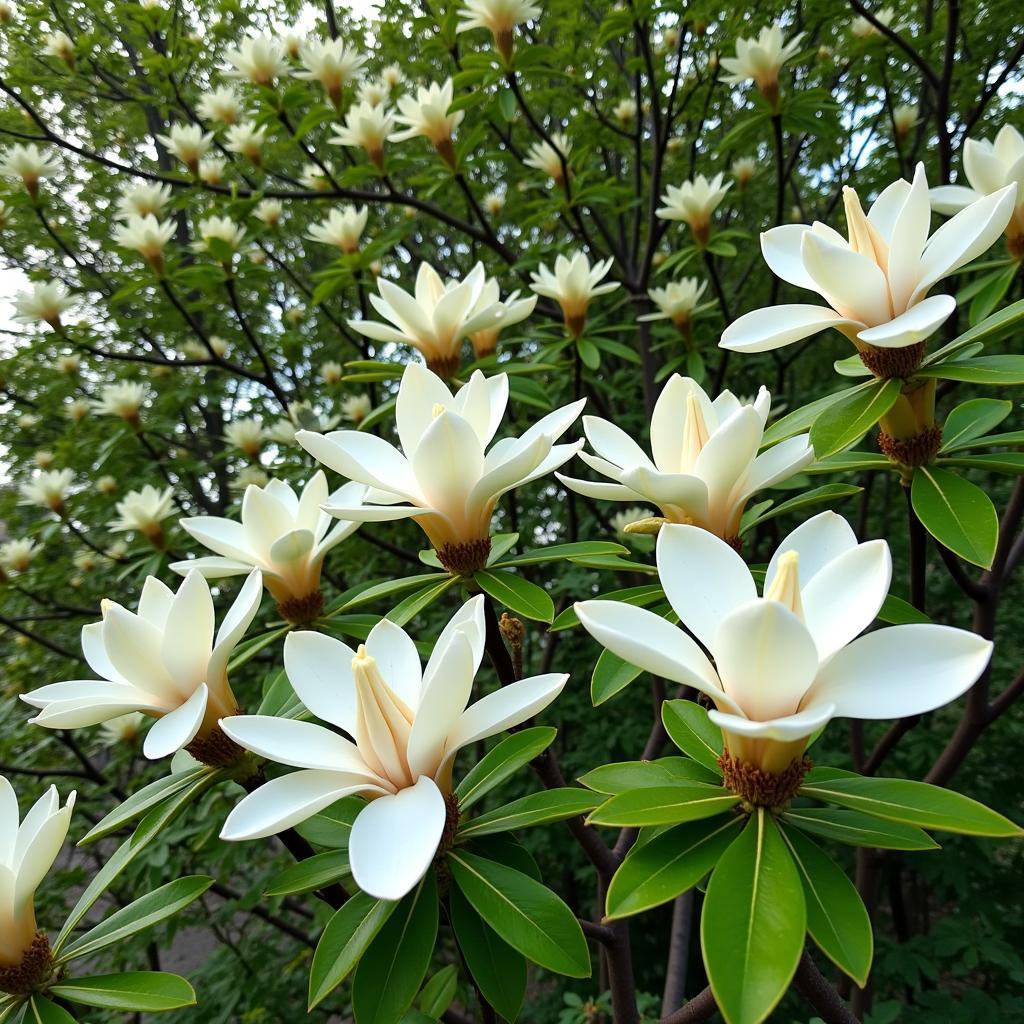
x=443, y=477
x=788, y=662
x=162, y=660
x=283, y=534
x=407, y=723
x=439, y=315
x=876, y=283
x=989, y=167
x=706, y=464
x=572, y=284
x=760, y=59
x=27, y=852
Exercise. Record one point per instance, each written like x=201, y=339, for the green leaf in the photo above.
x=498, y=970
x=988, y=330
x=624, y=775
x=844, y=422
x=611, y=674
x=801, y=419
x=995, y=462
x=898, y=612
x=416, y=602
x=836, y=916
x=502, y=761
x=517, y=594
x=152, y=991
x=541, y=808
x=388, y=587
x=818, y=496
x=332, y=826
x=992, y=370
x=914, y=803
x=42, y=1011
x=393, y=967
x=664, y=805
x=310, y=874
x=348, y=933
x=851, y=462
x=991, y=294
x=526, y=914
x=671, y=863
x=561, y=551
x=856, y=829
x=753, y=923
x=690, y=729
x=438, y=993
x=957, y=513
x=973, y=419
x=145, y=912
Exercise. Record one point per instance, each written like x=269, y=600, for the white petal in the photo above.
x=817, y=541
x=237, y=620
x=375, y=513
x=418, y=393
x=918, y=323
x=188, y=632
x=668, y=422
x=909, y=235
x=950, y=199
x=779, y=463
x=785, y=729
x=613, y=443
x=363, y=457
x=775, y=326
x=178, y=728
x=599, y=489
x=685, y=491
x=781, y=250
x=224, y=536
x=319, y=668
x=851, y=283
x=213, y=567
x=448, y=461
x=394, y=839
x=397, y=659
x=293, y=546
x=297, y=744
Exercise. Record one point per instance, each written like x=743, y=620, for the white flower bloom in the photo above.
x=313, y=177
x=498, y=16
x=331, y=63
x=620, y=520
x=123, y=729
x=188, y=142
x=222, y=104
x=44, y=302
x=249, y=475
x=143, y=511
x=366, y=127
x=877, y=283
x=269, y=211
x=43, y=458
x=743, y=170
x=788, y=662
x=548, y=157
x=356, y=408
x=16, y=555
x=864, y=29
x=6, y=11
x=442, y=477
x=676, y=301
x=48, y=489
x=282, y=432
x=106, y=485
x=439, y=315
x=27, y=852
x=485, y=339
x=212, y=170
x=142, y=200
x=341, y=228
x=494, y=203
x=124, y=399
x=407, y=723
x=70, y=363
x=990, y=167
x=221, y=229
x=248, y=139
x=59, y=44
x=246, y=434
x=293, y=39
x=625, y=110
x=573, y=284
x=759, y=60
x=284, y=534
x=146, y=236
x=373, y=92
x=392, y=76
x=331, y=372
x=77, y=409
x=904, y=117
x=705, y=464
x=694, y=202
x=427, y=115
x=260, y=59
x=85, y=561
x=29, y=165
x=163, y=661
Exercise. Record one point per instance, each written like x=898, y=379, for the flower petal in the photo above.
x=397, y=659
x=776, y=326
x=918, y=323
x=297, y=744
x=319, y=667
x=785, y=729
x=177, y=728
x=817, y=541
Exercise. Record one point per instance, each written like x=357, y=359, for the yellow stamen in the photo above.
x=785, y=587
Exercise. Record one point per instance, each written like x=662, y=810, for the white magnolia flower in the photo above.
x=85, y=561
x=106, y=485
x=69, y=363
x=990, y=167
x=494, y=203
x=143, y=511
x=29, y=165
x=705, y=464
x=124, y=399
x=16, y=555
x=367, y=127
x=759, y=60
x=59, y=44
x=142, y=200
x=123, y=729
x=551, y=157
x=292, y=39
x=331, y=63
x=246, y=138
x=313, y=177
x=43, y=458
x=48, y=489
x=188, y=142
x=356, y=408
x=6, y=11
x=904, y=117
x=284, y=534
x=442, y=477
x=788, y=662
x=249, y=475
x=676, y=301
x=743, y=170
x=260, y=59
x=246, y=434
x=221, y=229
x=864, y=29
x=212, y=170
x=44, y=302
x=222, y=104
x=485, y=339
x=331, y=372
x=147, y=236
x=77, y=409
x=625, y=110
x=269, y=211
x=876, y=283
x=500, y=17
x=27, y=852
x=439, y=315
x=407, y=724
x=341, y=228
x=572, y=284
x=427, y=114
x=163, y=661
x=694, y=202
x=392, y=76
x=373, y=91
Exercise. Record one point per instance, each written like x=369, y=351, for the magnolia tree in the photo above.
x=441, y=532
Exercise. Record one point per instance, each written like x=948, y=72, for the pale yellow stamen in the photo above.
x=785, y=587
x=864, y=236
x=695, y=432
x=435, y=412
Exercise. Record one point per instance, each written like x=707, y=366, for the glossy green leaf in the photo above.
x=152, y=991
x=801, y=419
x=416, y=602
x=972, y=419
x=554, y=552
x=957, y=513
x=332, y=826
x=990, y=370
x=690, y=729
x=525, y=913
x=990, y=462
x=669, y=864
x=994, y=326
x=611, y=674
x=517, y=594
x=664, y=805
x=439, y=991
x=502, y=761
x=310, y=874
x=826, y=494
x=42, y=1011
x=753, y=923
x=639, y=596
x=844, y=422
x=535, y=809
x=625, y=775
x=856, y=829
